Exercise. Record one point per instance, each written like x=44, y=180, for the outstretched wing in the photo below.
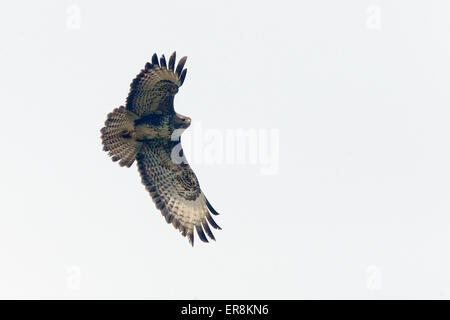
x=149, y=87
x=175, y=191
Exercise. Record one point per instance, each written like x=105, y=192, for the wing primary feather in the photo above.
x=207, y=229
x=155, y=59
x=214, y=212
x=172, y=61
x=212, y=222
x=183, y=75
x=200, y=233
x=191, y=238
x=148, y=66
x=162, y=60
x=180, y=65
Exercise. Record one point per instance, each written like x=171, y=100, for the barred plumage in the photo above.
x=142, y=131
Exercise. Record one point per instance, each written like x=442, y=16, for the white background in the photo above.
x=358, y=91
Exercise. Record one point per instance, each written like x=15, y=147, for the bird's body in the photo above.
x=148, y=130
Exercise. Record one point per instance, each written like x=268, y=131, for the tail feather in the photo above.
x=118, y=136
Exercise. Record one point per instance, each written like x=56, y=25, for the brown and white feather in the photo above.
x=175, y=190
x=142, y=131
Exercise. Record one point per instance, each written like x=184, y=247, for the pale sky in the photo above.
x=342, y=191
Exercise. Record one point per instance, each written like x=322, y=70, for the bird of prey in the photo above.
x=148, y=130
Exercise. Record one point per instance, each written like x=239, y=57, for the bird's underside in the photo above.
x=148, y=130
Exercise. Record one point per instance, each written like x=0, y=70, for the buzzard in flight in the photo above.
x=148, y=130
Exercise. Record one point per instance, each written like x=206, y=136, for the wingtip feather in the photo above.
x=210, y=207
x=162, y=61
x=180, y=65
x=172, y=61
x=155, y=60
x=183, y=76
x=200, y=233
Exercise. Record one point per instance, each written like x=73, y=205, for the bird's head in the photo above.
x=173, y=89
x=181, y=122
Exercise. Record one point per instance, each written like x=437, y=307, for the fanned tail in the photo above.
x=118, y=136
